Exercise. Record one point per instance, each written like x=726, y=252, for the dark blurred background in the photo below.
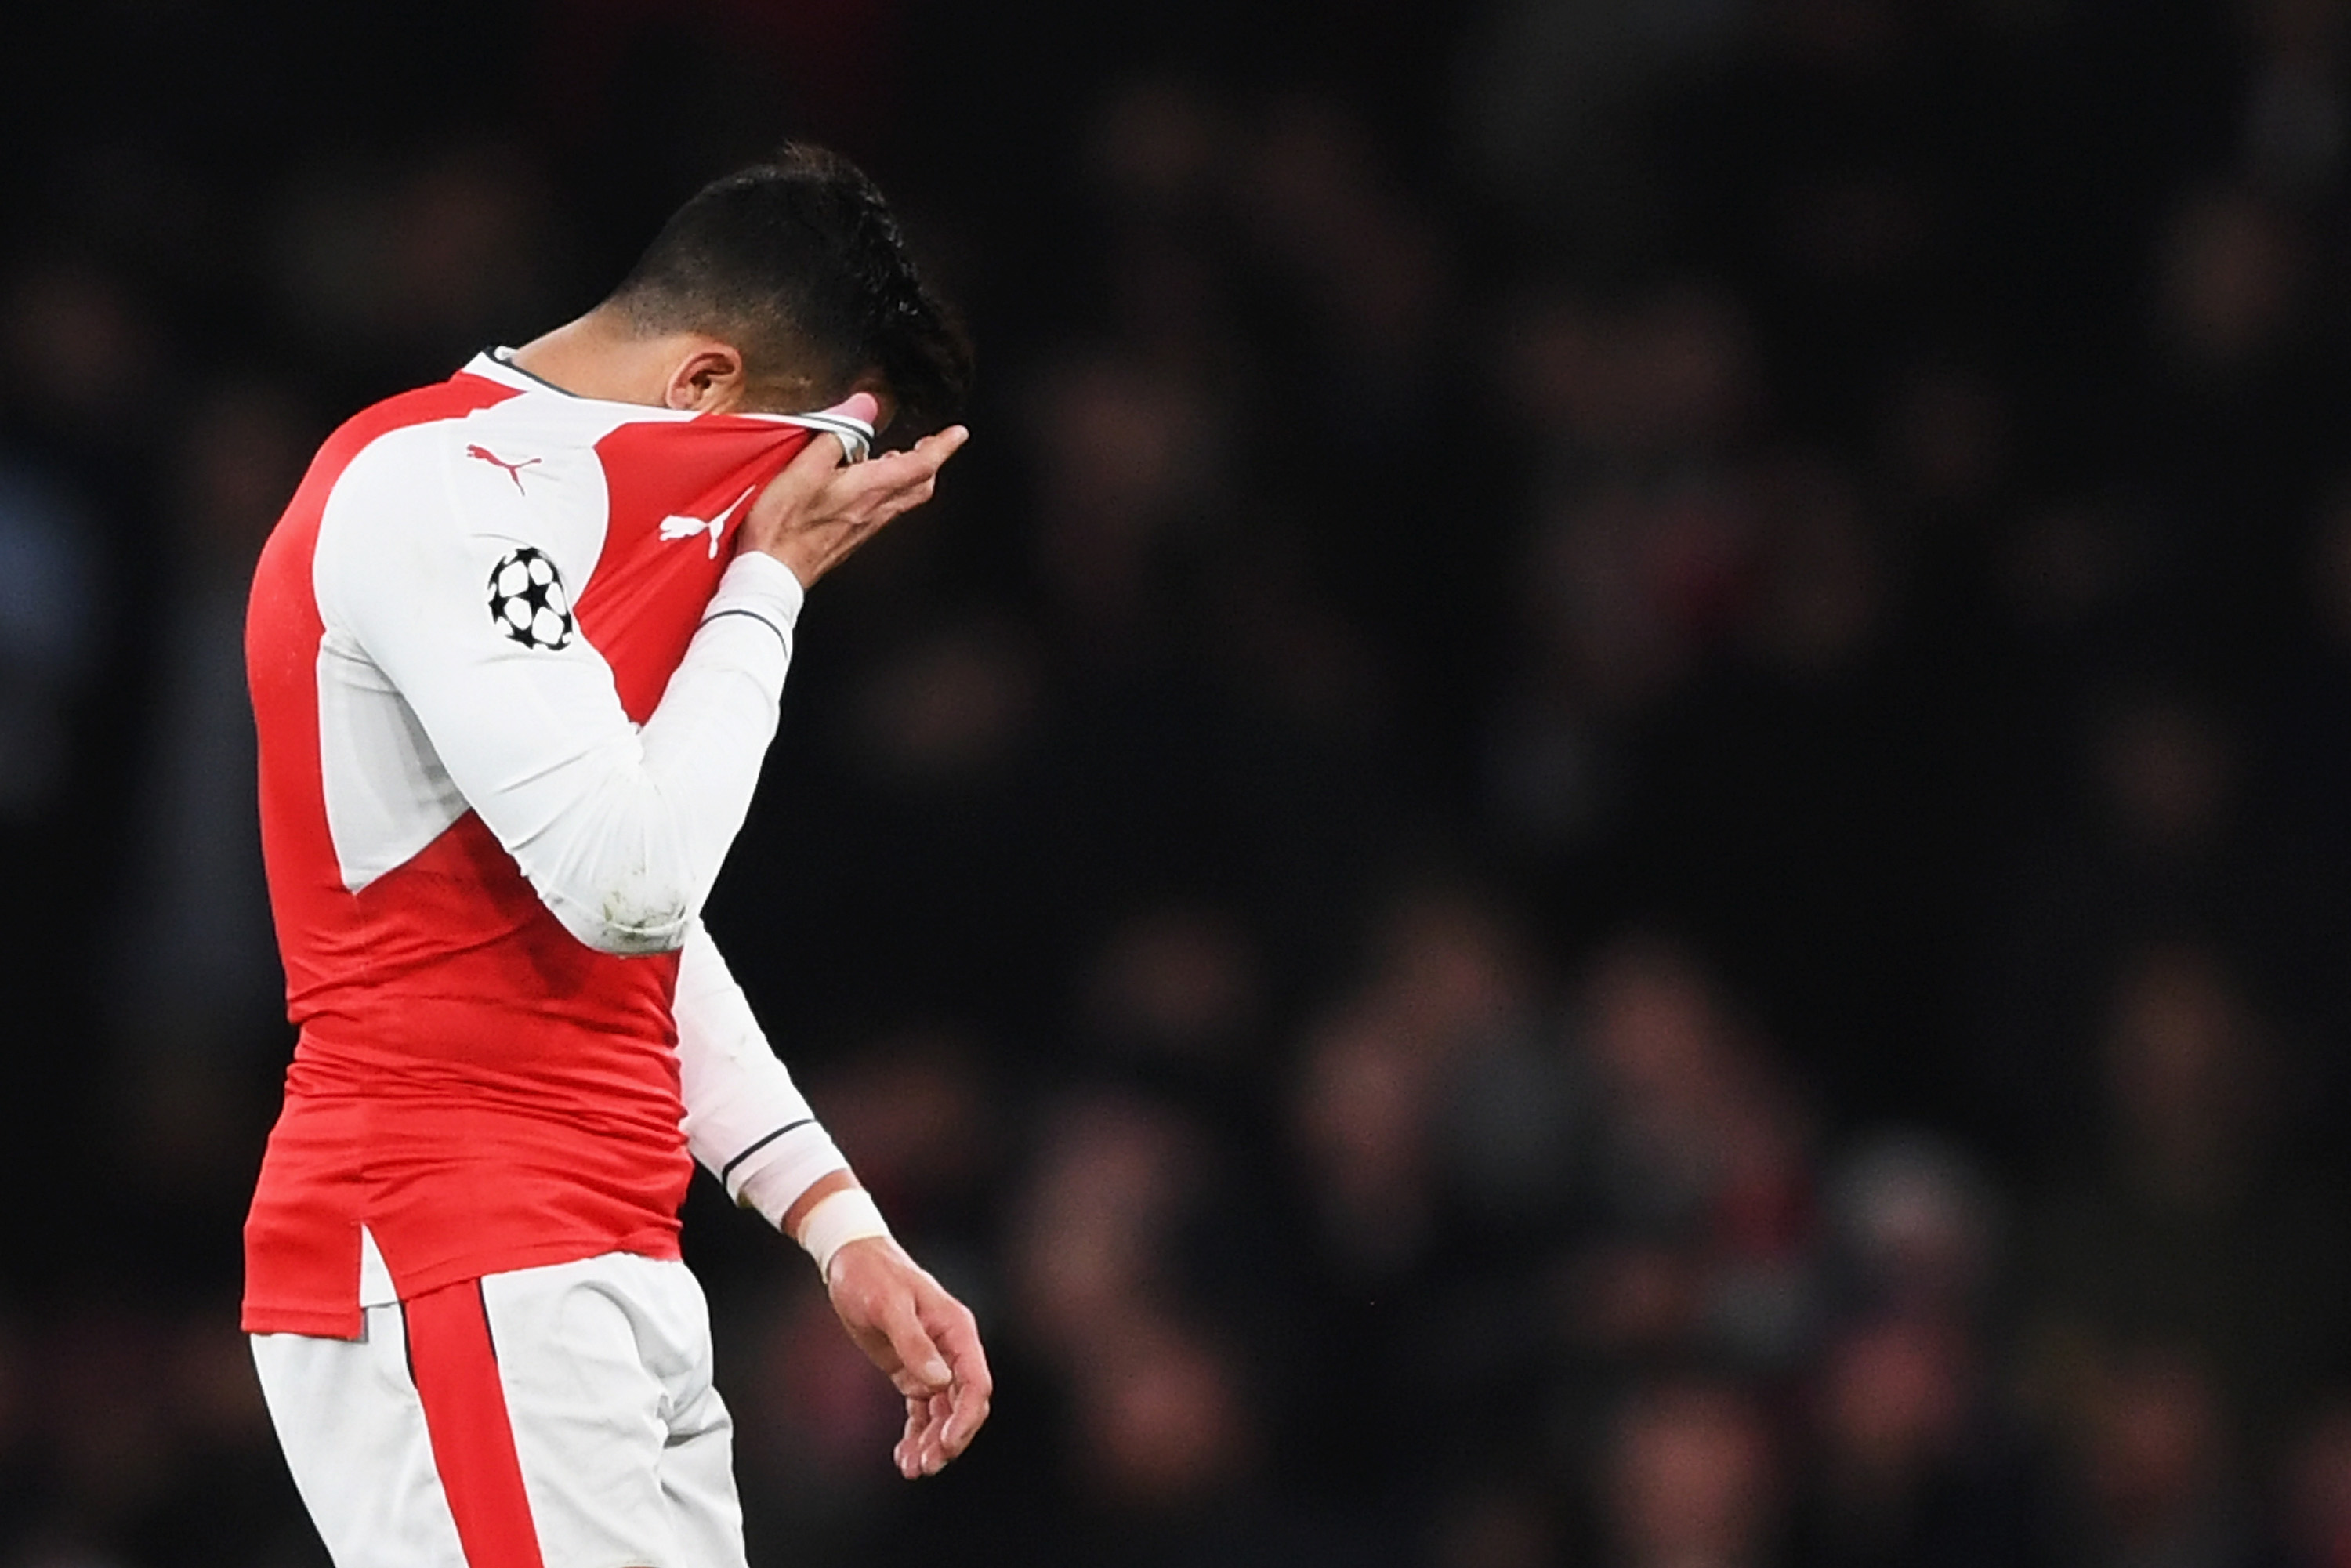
x=1610, y=821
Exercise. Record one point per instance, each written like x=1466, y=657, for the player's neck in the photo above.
x=597, y=357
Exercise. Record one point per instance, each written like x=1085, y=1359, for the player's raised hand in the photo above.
x=925, y=1341
x=820, y=508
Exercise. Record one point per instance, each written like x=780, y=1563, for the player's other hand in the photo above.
x=818, y=510
x=925, y=1340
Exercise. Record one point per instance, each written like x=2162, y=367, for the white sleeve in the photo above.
x=621, y=831
x=745, y=1120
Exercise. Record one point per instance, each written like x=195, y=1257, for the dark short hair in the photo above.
x=800, y=263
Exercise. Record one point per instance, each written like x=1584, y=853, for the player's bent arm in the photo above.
x=746, y=1121
x=621, y=831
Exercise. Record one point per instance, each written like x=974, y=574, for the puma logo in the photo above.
x=514, y=470
x=677, y=525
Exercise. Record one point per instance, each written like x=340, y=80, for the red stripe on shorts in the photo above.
x=457, y=1371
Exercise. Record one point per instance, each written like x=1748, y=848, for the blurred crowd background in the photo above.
x=1608, y=823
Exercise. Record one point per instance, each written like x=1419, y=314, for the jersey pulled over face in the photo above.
x=458, y=640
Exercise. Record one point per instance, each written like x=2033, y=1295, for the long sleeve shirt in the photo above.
x=513, y=686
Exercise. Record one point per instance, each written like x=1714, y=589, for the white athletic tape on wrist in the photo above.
x=847, y=1216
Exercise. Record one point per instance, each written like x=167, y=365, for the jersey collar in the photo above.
x=497, y=365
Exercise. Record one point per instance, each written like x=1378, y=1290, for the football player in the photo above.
x=516, y=651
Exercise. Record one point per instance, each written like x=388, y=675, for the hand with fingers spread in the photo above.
x=818, y=510
x=925, y=1340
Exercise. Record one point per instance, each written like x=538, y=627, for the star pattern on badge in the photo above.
x=528, y=601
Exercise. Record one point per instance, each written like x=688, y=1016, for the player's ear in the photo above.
x=707, y=380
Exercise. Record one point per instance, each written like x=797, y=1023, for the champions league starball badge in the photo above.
x=528, y=601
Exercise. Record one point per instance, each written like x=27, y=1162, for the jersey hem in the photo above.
x=314, y=1322
x=346, y=1322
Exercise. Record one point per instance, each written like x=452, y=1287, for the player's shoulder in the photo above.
x=443, y=486
x=461, y=395
x=478, y=452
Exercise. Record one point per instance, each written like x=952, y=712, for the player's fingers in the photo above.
x=951, y=1323
x=814, y=464
x=963, y=1418
x=961, y=1422
x=941, y=445
x=920, y=1427
x=935, y=1453
x=927, y=1454
x=956, y=1332
x=863, y=507
x=974, y=1387
x=906, y=500
x=865, y=496
x=919, y=1357
x=862, y=406
x=854, y=499
x=908, y=1452
x=810, y=469
x=897, y=472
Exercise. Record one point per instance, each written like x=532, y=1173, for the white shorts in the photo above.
x=555, y=1417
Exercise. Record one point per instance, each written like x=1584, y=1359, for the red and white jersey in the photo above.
x=513, y=686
